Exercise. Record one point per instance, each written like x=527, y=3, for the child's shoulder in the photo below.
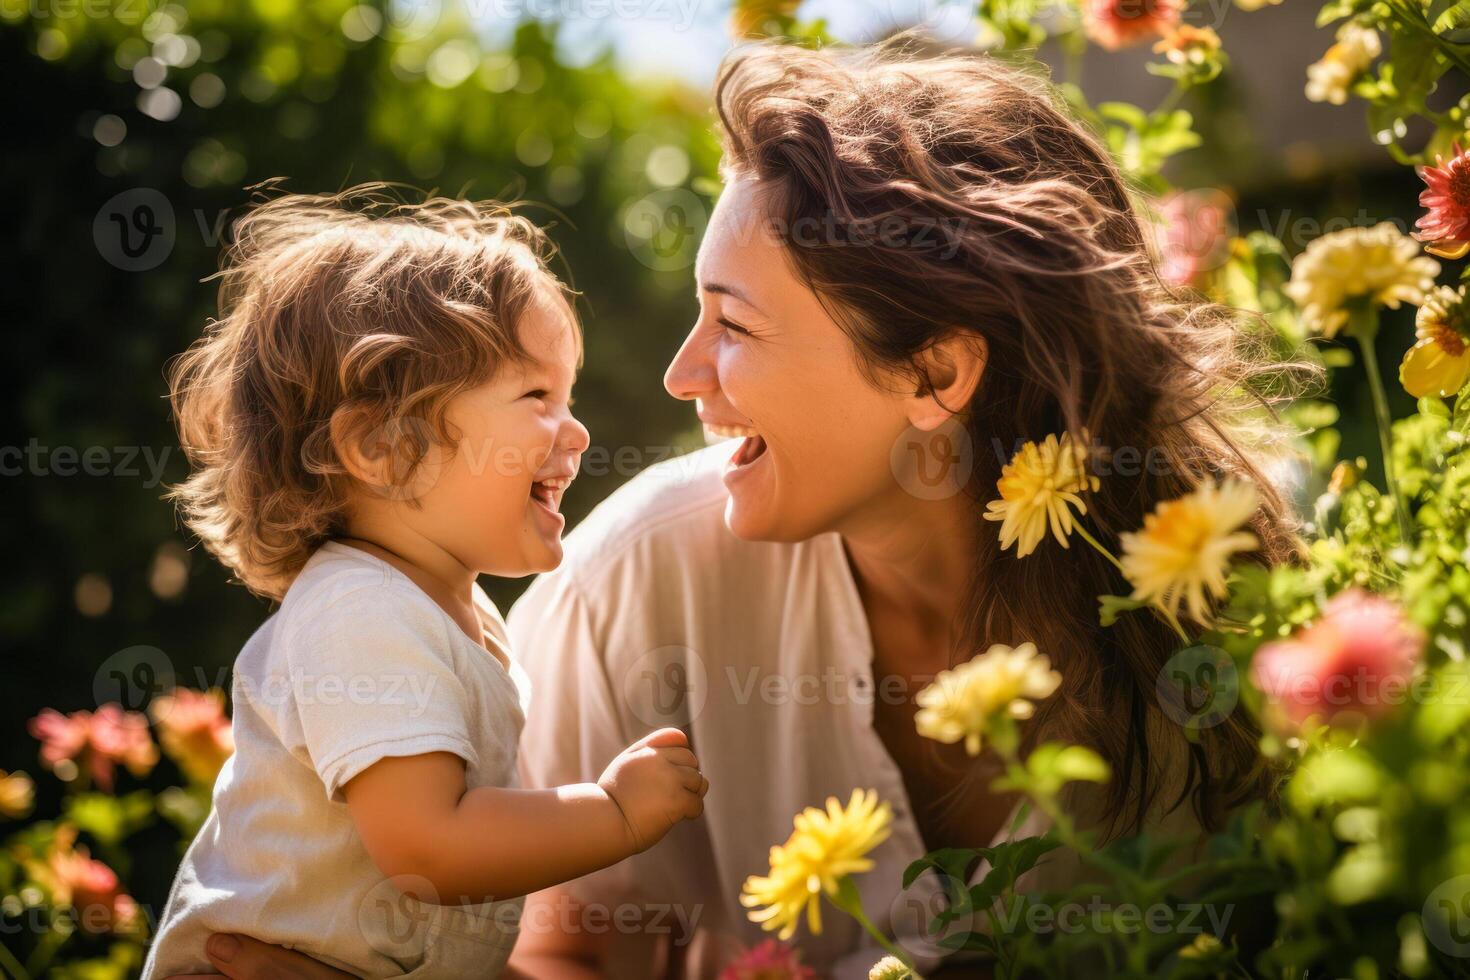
x=341, y=586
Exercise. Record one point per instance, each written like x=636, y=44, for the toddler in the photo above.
x=382, y=413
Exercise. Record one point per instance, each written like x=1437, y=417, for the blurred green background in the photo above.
x=133, y=127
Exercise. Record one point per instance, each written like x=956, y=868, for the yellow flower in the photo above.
x=890, y=968
x=1204, y=946
x=1380, y=264
x=1328, y=80
x=1439, y=364
x=1250, y=5
x=758, y=18
x=963, y=702
x=825, y=846
x=1185, y=547
x=1038, y=487
x=17, y=794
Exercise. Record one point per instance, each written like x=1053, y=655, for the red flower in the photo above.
x=1357, y=659
x=1446, y=226
x=770, y=960
x=98, y=741
x=1118, y=24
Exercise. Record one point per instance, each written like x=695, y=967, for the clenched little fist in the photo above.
x=656, y=782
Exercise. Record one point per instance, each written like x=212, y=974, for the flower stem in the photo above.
x=1367, y=335
x=1097, y=545
x=1163, y=613
x=848, y=900
x=11, y=965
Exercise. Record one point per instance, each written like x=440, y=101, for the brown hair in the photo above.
x=1041, y=252
x=356, y=307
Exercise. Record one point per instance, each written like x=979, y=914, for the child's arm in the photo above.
x=416, y=819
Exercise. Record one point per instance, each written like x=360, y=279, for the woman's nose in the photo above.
x=692, y=371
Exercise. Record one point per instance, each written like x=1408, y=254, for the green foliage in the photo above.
x=1423, y=41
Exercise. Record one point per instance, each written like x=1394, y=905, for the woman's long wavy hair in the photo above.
x=1035, y=244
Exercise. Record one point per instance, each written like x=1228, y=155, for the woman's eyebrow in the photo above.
x=725, y=290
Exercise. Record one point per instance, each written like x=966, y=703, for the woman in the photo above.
x=916, y=265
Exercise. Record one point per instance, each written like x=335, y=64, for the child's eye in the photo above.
x=535, y=393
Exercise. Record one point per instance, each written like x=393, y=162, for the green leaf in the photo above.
x=1334, y=10
x=1008, y=862
x=951, y=862
x=1052, y=765
x=1110, y=607
x=1077, y=763
x=110, y=819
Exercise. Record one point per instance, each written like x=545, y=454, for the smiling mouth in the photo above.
x=751, y=448
x=548, y=492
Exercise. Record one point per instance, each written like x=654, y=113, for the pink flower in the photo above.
x=1445, y=228
x=1118, y=24
x=90, y=887
x=1358, y=659
x=1193, y=235
x=98, y=741
x=194, y=731
x=771, y=960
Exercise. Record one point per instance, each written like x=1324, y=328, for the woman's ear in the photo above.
x=953, y=368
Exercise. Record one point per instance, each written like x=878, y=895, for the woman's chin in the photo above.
x=762, y=520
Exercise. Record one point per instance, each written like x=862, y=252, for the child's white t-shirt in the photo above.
x=359, y=664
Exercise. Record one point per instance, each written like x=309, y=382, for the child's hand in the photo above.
x=656, y=782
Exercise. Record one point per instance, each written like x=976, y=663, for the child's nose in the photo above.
x=574, y=436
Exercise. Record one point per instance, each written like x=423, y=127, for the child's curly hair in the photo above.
x=352, y=309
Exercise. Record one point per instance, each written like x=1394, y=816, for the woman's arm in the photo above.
x=243, y=958
x=557, y=944
x=417, y=821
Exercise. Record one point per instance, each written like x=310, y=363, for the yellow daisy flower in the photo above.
x=17, y=794
x=825, y=846
x=1183, y=552
x=962, y=703
x=1439, y=364
x=1380, y=264
x=1038, y=488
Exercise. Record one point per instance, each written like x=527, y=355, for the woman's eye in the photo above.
x=731, y=325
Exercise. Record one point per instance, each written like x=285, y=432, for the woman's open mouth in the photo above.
x=751, y=447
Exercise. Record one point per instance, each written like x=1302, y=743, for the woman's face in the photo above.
x=767, y=363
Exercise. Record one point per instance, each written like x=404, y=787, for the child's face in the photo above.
x=495, y=497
